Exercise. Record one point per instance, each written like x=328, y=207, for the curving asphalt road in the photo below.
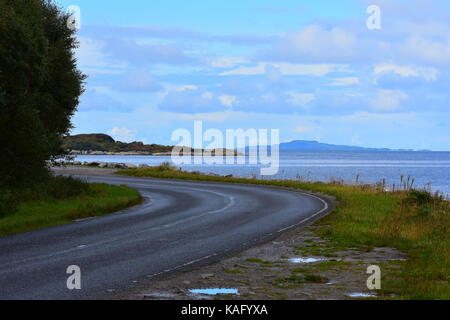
x=181, y=224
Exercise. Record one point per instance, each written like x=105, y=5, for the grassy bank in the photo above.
x=61, y=201
x=414, y=222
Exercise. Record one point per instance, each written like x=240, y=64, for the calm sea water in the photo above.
x=371, y=166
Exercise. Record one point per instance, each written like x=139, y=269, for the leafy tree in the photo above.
x=39, y=88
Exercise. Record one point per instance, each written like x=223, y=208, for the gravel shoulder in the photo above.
x=285, y=268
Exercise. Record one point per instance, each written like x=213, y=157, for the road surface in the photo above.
x=181, y=224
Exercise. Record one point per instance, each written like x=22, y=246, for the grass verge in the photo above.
x=57, y=207
x=414, y=222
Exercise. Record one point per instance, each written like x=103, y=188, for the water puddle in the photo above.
x=305, y=260
x=214, y=291
x=361, y=295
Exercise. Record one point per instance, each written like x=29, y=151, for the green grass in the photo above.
x=332, y=264
x=96, y=200
x=414, y=222
x=255, y=260
x=292, y=282
x=233, y=271
x=315, y=278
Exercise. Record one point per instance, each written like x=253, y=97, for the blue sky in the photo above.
x=309, y=68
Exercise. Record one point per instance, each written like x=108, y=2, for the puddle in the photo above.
x=305, y=260
x=361, y=295
x=214, y=291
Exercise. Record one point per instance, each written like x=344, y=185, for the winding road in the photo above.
x=181, y=224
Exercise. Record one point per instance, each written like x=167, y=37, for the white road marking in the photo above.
x=310, y=217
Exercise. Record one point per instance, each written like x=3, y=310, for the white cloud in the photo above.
x=300, y=99
x=345, y=81
x=314, y=40
x=315, y=43
x=227, y=100
x=227, y=62
x=186, y=87
x=123, y=134
x=215, y=117
x=428, y=49
x=288, y=69
x=388, y=100
x=429, y=74
x=207, y=95
x=92, y=60
x=139, y=81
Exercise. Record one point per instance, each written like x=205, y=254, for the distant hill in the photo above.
x=307, y=145
x=105, y=143
x=100, y=143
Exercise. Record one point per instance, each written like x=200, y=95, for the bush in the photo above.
x=61, y=187
x=166, y=166
x=419, y=197
x=8, y=203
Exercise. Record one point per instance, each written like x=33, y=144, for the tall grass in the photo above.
x=62, y=200
x=53, y=187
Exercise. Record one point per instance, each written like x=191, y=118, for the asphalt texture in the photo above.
x=179, y=225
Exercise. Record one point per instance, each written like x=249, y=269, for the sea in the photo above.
x=429, y=170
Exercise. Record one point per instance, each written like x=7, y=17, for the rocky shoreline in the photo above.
x=97, y=164
x=107, y=153
x=218, y=152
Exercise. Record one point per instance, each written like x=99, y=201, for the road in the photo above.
x=180, y=225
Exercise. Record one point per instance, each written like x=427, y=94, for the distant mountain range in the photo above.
x=306, y=145
x=83, y=143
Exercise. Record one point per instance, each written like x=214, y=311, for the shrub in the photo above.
x=419, y=197
x=166, y=166
x=8, y=203
x=60, y=187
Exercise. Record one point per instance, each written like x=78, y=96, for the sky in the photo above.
x=312, y=69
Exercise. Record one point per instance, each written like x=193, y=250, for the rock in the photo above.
x=130, y=166
x=111, y=165
x=212, y=174
x=143, y=166
x=102, y=165
x=206, y=275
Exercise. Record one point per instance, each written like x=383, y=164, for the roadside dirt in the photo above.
x=271, y=271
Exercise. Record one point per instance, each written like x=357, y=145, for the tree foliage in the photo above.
x=39, y=88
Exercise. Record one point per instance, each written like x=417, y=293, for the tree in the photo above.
x=39, y=88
